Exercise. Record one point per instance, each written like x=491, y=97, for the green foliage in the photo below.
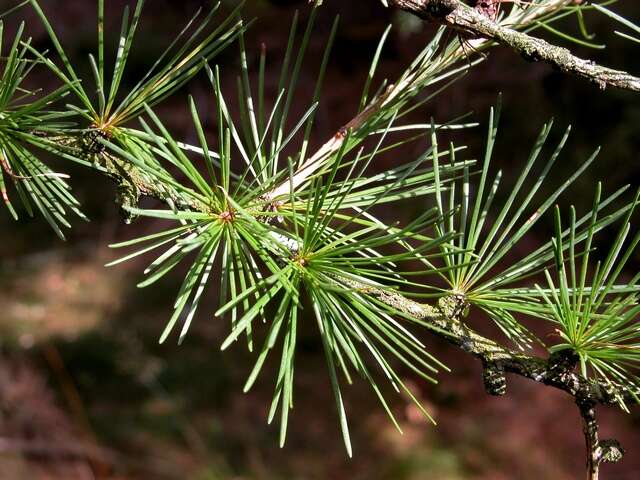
x=224, y=223
x=277, y=252
x=597, y=318
x=179, y=63
x=333, y=265
x=104, y=116
x=23, y=124
x=476, y=266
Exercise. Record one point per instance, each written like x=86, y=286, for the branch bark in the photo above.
x=463, y=18
x=557, y=371
x=598, y=451
x=446, y=320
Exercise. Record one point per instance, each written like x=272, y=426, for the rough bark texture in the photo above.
x=473, y=21
x=598, y=451
x=446, y=320
x=557, y=371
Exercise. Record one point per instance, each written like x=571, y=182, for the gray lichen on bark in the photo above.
x=461, y=17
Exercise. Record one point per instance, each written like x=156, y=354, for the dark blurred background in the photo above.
x=86, y=391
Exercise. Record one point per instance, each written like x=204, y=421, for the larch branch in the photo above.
x=463, y=18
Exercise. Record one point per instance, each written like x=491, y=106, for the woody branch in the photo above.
x=475, y=22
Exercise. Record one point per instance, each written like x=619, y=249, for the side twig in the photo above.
x=598, y=451
x=463, y=18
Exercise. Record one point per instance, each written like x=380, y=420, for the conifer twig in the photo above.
x=461, y=17
x=598, y=451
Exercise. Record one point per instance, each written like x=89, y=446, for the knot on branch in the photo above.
x=609, y=451
x=598, y=451
x=440, y=8
x=494, y=378
x=489, y=8
x=270, y=210
x=90, y=141
x=427, y=9
x=127, y=197
x=454, y=306
x=562, y=361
